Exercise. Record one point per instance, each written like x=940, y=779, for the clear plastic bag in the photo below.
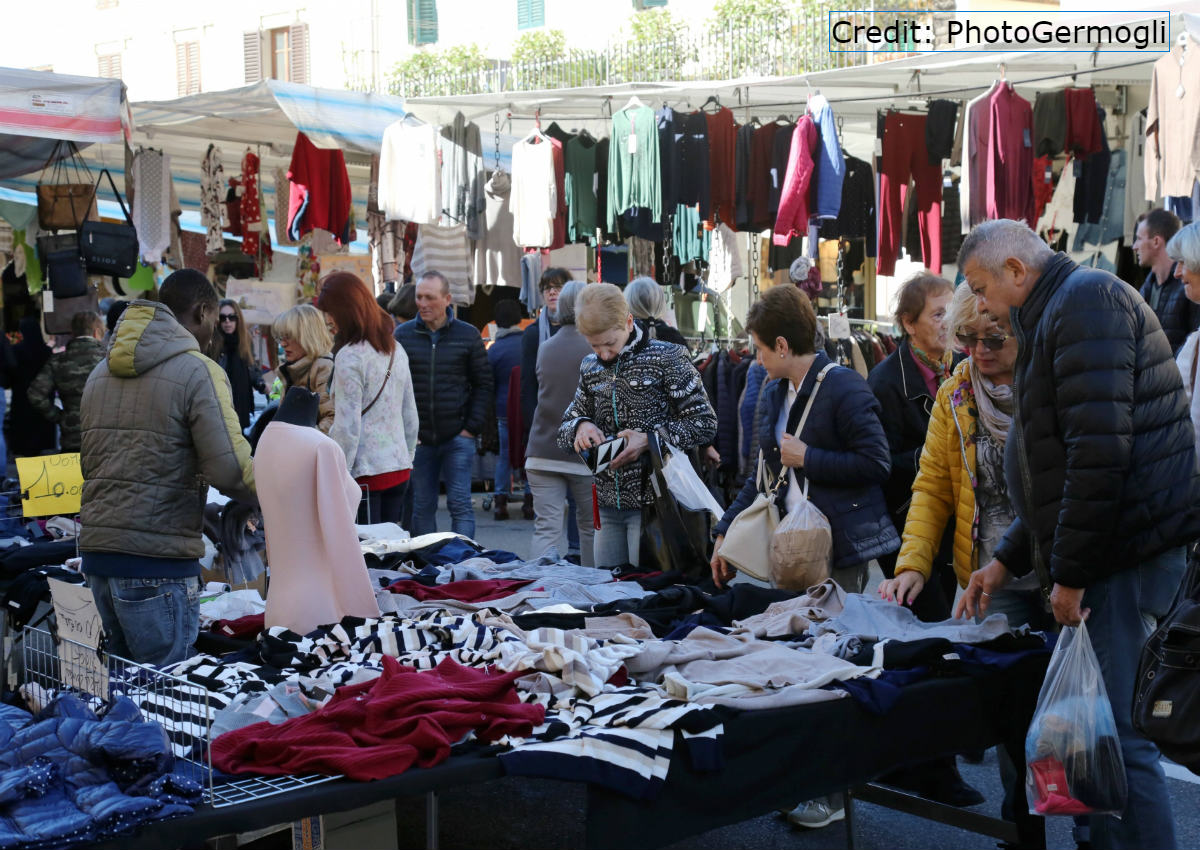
x=686, y=486
x=1072, y=753
x=801, y=547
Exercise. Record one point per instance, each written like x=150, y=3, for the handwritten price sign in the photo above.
x=50, y=485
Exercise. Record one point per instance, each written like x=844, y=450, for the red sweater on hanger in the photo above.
x=797, y=183
x=1009, y=184
x=320, y=190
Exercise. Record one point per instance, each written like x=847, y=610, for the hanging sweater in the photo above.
x=445, y=249
x=462, y=175
x=320, y=194
x=797, y=184
x=634, y=177
x=497, y=257
x=410, y=181
x=534, y=195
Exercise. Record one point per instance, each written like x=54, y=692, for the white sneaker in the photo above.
x=815, y=814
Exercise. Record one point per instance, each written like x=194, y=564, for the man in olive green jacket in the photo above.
x=158, y=428
x=66, y=374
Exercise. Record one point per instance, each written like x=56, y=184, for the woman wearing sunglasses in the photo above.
x=962, y=470
x=233, y=353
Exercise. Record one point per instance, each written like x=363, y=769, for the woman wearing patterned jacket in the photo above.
x=629, y=386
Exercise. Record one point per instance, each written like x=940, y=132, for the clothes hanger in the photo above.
x=783, y=119
x=633, y=102
x=714, y=100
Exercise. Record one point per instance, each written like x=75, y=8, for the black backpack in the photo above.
x=1166, y=698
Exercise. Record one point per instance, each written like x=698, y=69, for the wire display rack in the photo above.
x=184, y=710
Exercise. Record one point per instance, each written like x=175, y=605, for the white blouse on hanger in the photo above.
x=410, y=177
x=534, y=197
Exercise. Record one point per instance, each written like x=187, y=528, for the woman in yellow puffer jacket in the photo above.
x=962, y=470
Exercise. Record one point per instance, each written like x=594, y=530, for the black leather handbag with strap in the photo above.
x=109, y=247
x=1166, y=698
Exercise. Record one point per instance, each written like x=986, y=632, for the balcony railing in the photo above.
x=798, y=44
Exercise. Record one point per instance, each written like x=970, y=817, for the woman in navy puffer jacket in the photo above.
x=842, y=450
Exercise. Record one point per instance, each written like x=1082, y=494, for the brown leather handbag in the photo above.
x=68, y=198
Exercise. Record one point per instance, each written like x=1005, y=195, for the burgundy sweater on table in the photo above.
x=381, y=728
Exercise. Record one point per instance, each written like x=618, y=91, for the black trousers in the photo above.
x=386, y=506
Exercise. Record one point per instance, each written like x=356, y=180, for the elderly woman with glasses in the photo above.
x=231, y=349
x=961, y=475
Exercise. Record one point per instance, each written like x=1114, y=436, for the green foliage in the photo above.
x=419, y=74
x=540, y=45
x=653, y=46
x=741, y=13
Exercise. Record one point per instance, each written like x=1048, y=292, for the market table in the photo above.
x=773, y=758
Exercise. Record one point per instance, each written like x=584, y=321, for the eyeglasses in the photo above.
x=228, y=317
x=991, y=343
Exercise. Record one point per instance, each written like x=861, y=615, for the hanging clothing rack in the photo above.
x=928, y=93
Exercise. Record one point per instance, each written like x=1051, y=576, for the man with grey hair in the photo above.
x=1102, y=472
x=452, y=381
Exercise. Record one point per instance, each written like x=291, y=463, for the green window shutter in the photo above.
x=651, y=4
x=531, y=14
x=422, y=22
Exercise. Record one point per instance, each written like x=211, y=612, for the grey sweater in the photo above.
x=558, y=362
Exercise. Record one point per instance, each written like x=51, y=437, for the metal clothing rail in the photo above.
x=923, y=93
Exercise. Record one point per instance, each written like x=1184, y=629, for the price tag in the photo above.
x=47, y=301
x=51, y=485
x=632, y=144
x=839, y=326
x=79, y=621
x=702, y=316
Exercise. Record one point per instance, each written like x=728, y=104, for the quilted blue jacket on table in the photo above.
x=69, y=777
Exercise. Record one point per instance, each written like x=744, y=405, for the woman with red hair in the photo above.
x=375, y=411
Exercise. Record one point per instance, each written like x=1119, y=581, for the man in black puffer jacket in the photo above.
x=1102, y=471
x=452, y=381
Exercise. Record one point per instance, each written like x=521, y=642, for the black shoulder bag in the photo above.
x=109, y=247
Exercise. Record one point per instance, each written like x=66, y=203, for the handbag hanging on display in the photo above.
x=66, y=273
x=109, y=247
x=58, y=319
x=67, y=199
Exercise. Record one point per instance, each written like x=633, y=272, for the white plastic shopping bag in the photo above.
x=1072, y=754
x=686, y=486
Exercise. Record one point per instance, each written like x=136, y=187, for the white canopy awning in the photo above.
x=38, y=109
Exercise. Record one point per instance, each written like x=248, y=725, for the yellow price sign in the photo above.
x=51, y=485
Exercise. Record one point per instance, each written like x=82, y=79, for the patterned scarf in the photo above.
x=940, y=368
x=994, y=403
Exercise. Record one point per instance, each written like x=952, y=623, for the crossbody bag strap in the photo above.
x=104, y=172
x=391, y=360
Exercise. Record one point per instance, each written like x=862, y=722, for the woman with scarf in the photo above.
x=961, y=481
x=29, y=434
x=234, y=356
x=906, y=384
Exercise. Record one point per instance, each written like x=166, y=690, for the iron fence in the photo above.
x=791, y=46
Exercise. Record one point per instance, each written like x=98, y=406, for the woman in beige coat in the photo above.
x=308, y=356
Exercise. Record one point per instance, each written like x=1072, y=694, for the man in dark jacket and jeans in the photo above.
x=1102, y=471
x=452, y=380
x=1162, y=290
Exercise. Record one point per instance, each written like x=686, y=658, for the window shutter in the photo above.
x=422, y=22
x=651, y=4
x=109, y=66
x=187, y=68
x=298, y=53
x=530, y=14
x=252, y=55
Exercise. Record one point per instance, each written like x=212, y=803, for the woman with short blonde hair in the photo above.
x=308, y=358
x=629, y=386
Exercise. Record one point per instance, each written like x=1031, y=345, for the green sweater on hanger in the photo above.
x=634, y=178
x=580, y=157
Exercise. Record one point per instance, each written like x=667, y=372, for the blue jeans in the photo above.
x=449, y=463
x=1125, y=607
x=504, y=470
x=148, y=620
x=619, y=538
